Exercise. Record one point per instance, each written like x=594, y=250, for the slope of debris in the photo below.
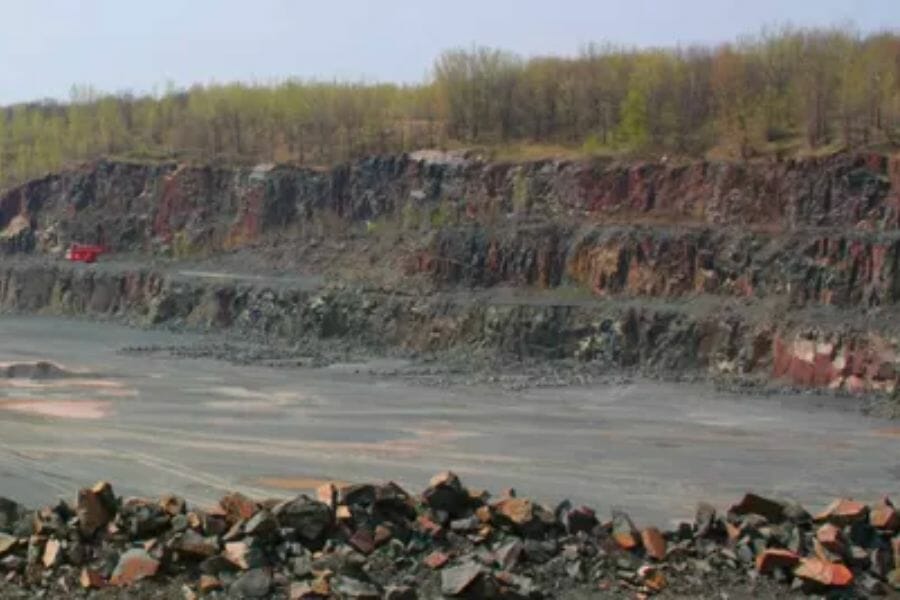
x=378, y=541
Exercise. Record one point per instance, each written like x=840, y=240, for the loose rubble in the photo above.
x=371, y=541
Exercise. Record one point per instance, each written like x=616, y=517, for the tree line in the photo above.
x=780, y=91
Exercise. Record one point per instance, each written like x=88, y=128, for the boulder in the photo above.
x=311, y=520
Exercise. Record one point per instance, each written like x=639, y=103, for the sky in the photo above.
x=133, y=45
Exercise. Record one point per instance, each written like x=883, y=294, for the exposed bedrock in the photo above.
x=700, y=335
x=782, y=269
x=155, y=207
x=826, y=267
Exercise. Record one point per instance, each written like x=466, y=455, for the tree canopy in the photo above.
x=784, y=90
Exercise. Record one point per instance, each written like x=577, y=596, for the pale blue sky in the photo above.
x=47, y=45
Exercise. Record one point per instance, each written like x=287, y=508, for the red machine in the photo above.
x=85, y=253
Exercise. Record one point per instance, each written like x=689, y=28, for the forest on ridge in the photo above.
x=779, y=92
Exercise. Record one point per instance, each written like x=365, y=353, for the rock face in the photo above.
x=148, y=206
x=853, y=352
x=781, y=270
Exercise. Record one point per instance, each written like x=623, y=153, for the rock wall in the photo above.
x=660, y=338
x=846, y=268
x=654, y=244
x=149, y=207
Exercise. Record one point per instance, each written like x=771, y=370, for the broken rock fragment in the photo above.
x=884, y=516
x=237, y=507
x=654, y=543
x=843, y=512
x=243, y=555
x=95, y=507
x=771, y=510
x=436, y=560
x=446, y=493
x=775, y=558
x=91, y=579
x=7, y=543
x=52, y=553
x=823, y=573
x=624, y=533
x=134, y=565
x=195, y=545
x=578, y=519
x=311, y=520
x=252, y=584
x=457, y=580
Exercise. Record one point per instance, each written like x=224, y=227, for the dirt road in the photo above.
x=198, y=427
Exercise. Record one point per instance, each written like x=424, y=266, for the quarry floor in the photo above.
x=199, y=427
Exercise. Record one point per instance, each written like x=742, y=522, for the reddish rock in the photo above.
x=654, y=543
x=824, y=573
x=773, y=558
x=822, y=552
x=363, y=541
x=653, y=578
x=209, y=583
x=843, y=511
x=884, y=516
x=95, y=508
x=91, y=579
x=238, y=507
x=855, y=384
x=436, y=560
x=624, y=532
x=429, y=527
x=772, y=510
x=830, y=537
x=516, y=510
x=133, y=566
x=626, y=540
x=383, y=535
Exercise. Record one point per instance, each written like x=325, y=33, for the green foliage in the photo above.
x=778, y=91
x=634, y=126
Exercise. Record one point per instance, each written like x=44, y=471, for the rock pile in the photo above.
x=373, y=541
